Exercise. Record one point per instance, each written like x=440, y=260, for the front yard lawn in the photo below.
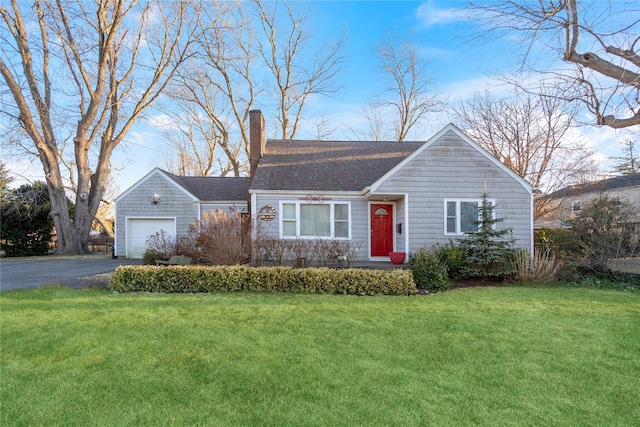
x=476, y=356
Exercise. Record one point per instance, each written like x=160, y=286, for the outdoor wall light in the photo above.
x=156, y=199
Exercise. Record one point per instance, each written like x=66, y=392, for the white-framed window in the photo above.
x=461, y=215
x=311, y=220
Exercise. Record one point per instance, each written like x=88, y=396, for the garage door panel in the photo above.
x=140, y=230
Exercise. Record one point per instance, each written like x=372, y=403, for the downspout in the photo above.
x=254, y=219
x=532, y=230
x=406, y=224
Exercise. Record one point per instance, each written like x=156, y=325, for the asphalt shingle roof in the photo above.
x=214, y=188
x=604, y=185
x=327, y=165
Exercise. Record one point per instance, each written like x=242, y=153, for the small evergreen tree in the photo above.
x=628, y=163
x=488, y=251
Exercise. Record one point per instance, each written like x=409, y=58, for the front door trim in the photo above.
x=392, y=205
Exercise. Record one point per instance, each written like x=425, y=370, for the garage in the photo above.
x=139, y=230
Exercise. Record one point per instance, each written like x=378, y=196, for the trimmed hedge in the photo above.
x=274, y=279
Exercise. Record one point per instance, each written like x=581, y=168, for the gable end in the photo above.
x=155, y=171
x=452, y=128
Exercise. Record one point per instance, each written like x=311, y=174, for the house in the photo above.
x=383, y=196
x=568, y=201
x=163, y=201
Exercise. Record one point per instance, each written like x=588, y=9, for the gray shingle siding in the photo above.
x=224, y=207
x=452, y=169
x=137, y=204
x=359, y=218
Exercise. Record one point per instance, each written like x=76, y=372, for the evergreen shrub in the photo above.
x=428, y=272
x=451, y=256
x=261, y=279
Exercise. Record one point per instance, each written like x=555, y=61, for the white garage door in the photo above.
x=139, y=230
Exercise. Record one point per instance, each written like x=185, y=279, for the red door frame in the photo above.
x=381, y=230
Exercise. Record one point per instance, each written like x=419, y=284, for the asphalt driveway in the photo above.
x=77, y=272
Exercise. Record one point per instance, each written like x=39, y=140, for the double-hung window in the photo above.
x=461, y=216
x=310, y=220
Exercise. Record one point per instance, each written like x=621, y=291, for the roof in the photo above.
x=327, y=165
x=604, y=185
x=214, y=188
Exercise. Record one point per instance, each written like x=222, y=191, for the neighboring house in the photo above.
x=565, y=203
x=384, y=196
x=163, y=201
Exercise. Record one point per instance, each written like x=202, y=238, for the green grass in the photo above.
x=478, y=356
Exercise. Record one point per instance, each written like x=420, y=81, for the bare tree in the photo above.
x=193, y=144
x=410, y=95
x=378, y=123
x=599, y=39
x=215, y=93
x=529, y=134
x=323, y=128
x=91, y=70
x=283, y=45
x=628, y=163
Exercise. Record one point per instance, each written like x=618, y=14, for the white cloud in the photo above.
x=163, y=122
x=23, y=171
x=464, y=89
x=431, y=14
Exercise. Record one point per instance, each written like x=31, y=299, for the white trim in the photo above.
x=453, y=128
x=406, y=224
x=290, y=193
x=391, y=203
x=330, y=203
x=128, y=229
x=254, y=217
x=532, y=244
x=252, y=206
x=114, y=251
x=223, y=202
x=155, y=171
x=458, y=216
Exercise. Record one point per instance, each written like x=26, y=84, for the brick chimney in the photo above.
x=256, y=139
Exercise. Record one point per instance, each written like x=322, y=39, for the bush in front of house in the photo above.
x=316, y=252
x=261, y=279
x=160, y=245
x=451, y=256
x=150, y=256
x=428, y=272
x=542, y=267
x=219, y=238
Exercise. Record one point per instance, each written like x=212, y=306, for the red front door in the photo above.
x=381, y=230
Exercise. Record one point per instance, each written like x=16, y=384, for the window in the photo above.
x=288, y=219
x=575, y=206
x=461, y=215
x=309, y=220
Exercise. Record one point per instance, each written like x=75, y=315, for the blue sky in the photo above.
x=443, y=35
